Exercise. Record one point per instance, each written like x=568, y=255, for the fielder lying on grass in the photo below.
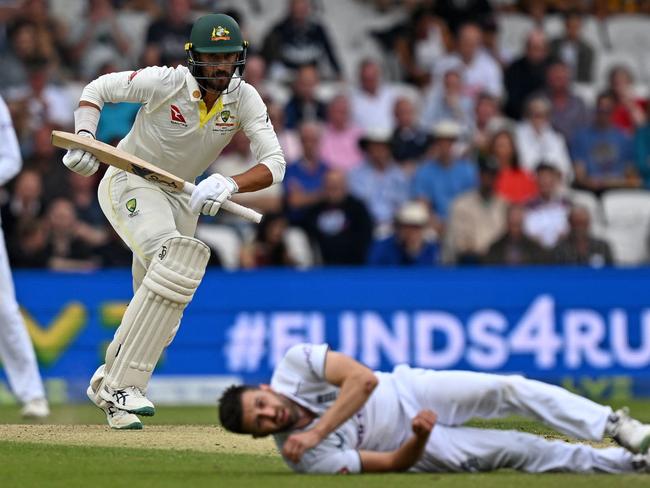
x=330, y=414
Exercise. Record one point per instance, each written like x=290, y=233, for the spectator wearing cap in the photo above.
x=537, y=141
x=547, y=215
x=303, y=180
x=576, y=53
x=409, y=245
x=304, y=106
x=409, y=142
x=379, y=183
x=299, y=40
x=480, y=72
x=579, y=247
x=514, y=184
x=603, y=154
x=166, y=37
x=514, y=247
x=339, y=224
x=372, y=101
x=527, y=74
x=441, y=179
x=568, y=111
x=476, y=219
x=340, y=141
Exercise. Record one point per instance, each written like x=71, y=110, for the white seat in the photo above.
x=223, y=240
x=299, y=247
x=553, y=26
x=134, y=25
x=588, y=201
x=606, y=60
x=513, y=30
x=587, y=92
x=629, y=33
x=627, y=216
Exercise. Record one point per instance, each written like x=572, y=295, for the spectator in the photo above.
x=602, y=153
x=255, y=74
x=568, y=111
x=303, y=180
x=537, y=141
x=579, y=247
x=167, y=36
x=379, y=183
x=629, y=111
x=268, y=248
x=22, y=50
x=44, y=158
x=408, y=246
x=425, y=40
x=476, y=219
x=526, y=75
x=448, y=102
x=90, y=223
x=514, y=248
x=28, y=247
x=409, y=142
x=372, y=101
x=303, y=105
x=340, y=142
x=236, y=161
x=487, y=119
x=299, y=40
x=479, y=71
x=458, y=13
x=547, y=215
x=441, y=179
x=97, y=39
x=25, y=204
x=514, y=184
x=340, y=224
x=66, y=250
x=574, y=52
x=289, y=140
x=114, y=253
x=47, y=103
x=642, y=153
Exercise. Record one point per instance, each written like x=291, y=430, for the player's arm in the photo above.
x=356, y=383
x=407, y=454
x=10, y=159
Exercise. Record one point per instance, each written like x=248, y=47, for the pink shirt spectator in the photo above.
x=340, y=148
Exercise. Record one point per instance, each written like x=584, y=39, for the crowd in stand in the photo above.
x=467, y=155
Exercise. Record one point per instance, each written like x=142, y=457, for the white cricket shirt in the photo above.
x=170, y=129
x=380, y=425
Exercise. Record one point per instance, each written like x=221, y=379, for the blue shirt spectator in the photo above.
x=642, y=153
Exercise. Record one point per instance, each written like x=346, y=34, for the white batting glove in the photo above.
x=209, y=195
x=80, y=161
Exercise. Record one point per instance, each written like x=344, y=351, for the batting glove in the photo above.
x=80, y=161
x=209, y=195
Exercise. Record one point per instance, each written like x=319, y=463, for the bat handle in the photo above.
x=232, y=207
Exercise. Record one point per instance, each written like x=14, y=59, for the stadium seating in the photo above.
x=627, y=216
x=223, y=240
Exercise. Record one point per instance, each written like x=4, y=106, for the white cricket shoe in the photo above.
x=628, y=432
x=35, y=409
x=117, y=419
x=129, y=399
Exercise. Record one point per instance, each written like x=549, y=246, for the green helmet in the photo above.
x=216, y=34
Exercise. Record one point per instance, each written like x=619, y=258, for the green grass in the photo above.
x=40, y=465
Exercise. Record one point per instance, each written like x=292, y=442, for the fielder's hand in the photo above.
x=423, y=423
x=80, y=161
x=208, y=195
x=296, y=445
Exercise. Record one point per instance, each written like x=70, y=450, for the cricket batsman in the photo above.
x=188, y=115
x=330, y=414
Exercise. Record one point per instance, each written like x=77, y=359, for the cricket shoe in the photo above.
x=129, y=399
x=117, y=419
x=35, y=409
x=641, y=463
x=628, y=432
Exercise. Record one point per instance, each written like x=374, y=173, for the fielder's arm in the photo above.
x=407, y=454
x=356, y=383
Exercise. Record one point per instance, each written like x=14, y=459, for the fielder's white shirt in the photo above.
x=380, y=425
x=10, y=158
x=170, y=131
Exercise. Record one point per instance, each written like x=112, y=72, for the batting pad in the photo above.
x=155, y=310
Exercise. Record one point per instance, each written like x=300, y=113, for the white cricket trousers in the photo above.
x=458, y=396
x=16, y=349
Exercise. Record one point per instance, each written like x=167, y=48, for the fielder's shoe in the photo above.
x=130, y=399
x=35, y=409
x=117, y=419
x=641, y=463
x=628, y=432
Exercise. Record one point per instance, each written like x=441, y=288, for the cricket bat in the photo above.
x=120, y=159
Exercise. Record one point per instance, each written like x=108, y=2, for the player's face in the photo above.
x=265, y=412
x=222, y=67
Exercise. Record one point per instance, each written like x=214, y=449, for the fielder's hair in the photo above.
x=230, y=408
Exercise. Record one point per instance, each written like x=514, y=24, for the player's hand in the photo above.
x=422, y=424
x=296, y=445
x=80, y=161
x=209, y=195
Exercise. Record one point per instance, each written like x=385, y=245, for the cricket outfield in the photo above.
x=183, y=447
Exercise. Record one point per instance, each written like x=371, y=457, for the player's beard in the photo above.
x=292, y=414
